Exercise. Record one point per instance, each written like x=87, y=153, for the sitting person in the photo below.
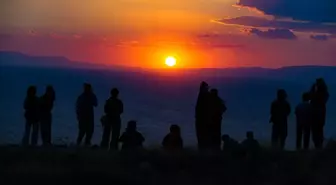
x=250, y=144
x=131, y=138
x=229, y=144
x=173, y=140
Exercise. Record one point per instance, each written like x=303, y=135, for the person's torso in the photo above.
x=113, y=107
x=280, y=111
x=173, y=141
x=86, y=103
x=132, y=139
x=46, y=104
x=304, y=113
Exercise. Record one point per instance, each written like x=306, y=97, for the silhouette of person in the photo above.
x=173, y=140
x=280, y=110
x=131, y=139
x=31, y=107
x=319, y=97
x=85, y=114
x=250, y=145
x=46, y=106
x=113, y=109
x=229, y=144
x=217, y=108
x=202, y=116
x=303, y=112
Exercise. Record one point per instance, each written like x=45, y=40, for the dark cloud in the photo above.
x=304, y=10
x=273, y=33
x=319, y=37
x=292, y=25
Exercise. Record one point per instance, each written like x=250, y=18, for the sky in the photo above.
x=198, y=33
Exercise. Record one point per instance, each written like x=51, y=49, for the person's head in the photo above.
x=225, y=137
x=50, y=90
x=204, y=87
x=131, y=126
x=175, y=129
x=31, y=91
x=320, y=84
x=249, y=135
x=281, y=94
x=305, y=97
x=114, y=92
x=87, y=88
x=214, y=92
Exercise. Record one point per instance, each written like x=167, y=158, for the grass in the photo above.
x=79, y=165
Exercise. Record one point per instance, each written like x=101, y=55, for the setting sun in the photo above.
x=170, y=61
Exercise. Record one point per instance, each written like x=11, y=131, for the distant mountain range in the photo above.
x=293, y=73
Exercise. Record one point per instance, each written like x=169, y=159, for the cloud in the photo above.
x=320, y=37
x=260, y=22
x=273, y=33
x=303, y=10
x=77, y=36
x=32, y=32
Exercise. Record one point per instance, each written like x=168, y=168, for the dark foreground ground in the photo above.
x=60, y=165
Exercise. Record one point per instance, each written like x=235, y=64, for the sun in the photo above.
x=170, y=61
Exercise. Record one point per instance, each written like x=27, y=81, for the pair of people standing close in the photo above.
x=38, y=115
x=209, y=111
x=111, y=123
x=310, y=117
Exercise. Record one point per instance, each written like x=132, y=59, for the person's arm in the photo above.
x=25, y=104
x=95, y=101
x=106, y=107
x=164, y=141
x=122, y=138
x=288, y=109
x=272, y=111
x=121, y=107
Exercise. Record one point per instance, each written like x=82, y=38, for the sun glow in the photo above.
x=170, y=61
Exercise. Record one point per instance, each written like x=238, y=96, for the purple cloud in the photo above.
x=303, y=10
x=320, y=37
x=291, y=25
x=273, y=34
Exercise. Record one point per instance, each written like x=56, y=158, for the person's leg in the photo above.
x=35, y=133
x=116, y=125
x=89, y=133
x=299, y=133
x=283, y=136
x=200, y=142
x=306, y=136
x=275, y=135
x=315, y=135
x=81, y=132
x=49, y=129
x=43, y=128
x=320, y=136
x=106, y=136
x=26, y=135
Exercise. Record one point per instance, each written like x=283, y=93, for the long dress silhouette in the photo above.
x=85, y=114
x=202, y=116
x=319, y=97
x=31, y=107
x=46, y=106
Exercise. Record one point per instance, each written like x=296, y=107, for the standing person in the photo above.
x=113, y=109
x=31, y=107
x=46, y=106
x=85, y=114
x=280, y=110
x=303, y=114
x=202, y=115
x=217, y=108
x=319, y=96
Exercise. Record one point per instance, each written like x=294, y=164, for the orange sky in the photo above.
x=142, y=33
